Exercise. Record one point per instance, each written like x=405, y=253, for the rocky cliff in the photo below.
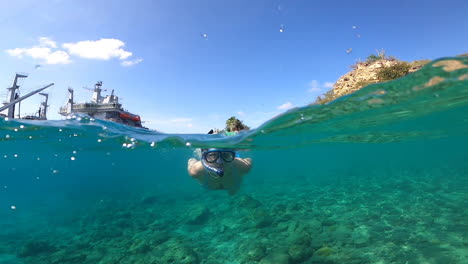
x=366, y=73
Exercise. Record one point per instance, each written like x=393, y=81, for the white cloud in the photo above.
x=285, y=106
x=42, y=53
x=328, y=85
x=48, y=52
x=103, y=49
x=47, y=42
x=131, y=62
x=241, y=113
x=315, y=86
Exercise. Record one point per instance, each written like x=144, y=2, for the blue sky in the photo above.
x=187, y=66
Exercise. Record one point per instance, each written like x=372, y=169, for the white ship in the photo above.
x=101, y=107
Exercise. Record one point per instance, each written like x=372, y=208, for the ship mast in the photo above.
x=12, y=95
x=97, y=98
x=43, y=107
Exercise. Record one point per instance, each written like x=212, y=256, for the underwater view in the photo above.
x=376, y=176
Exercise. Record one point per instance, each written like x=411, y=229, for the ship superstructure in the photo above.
x=101, y=107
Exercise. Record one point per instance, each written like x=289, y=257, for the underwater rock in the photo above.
x=261, y=218
x=178, y=252
x=246, y=201
x=300, y=252
x=360, y=236
x=67, y=257
x=314, y=226
x=252, y=252
x=34, y=248
x=149, y=200
x=276, y=258
x=158, y=238
x=140, y=247
x=198, y=215
x=324, y=251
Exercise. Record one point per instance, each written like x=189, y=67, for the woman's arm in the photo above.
x=195, y=168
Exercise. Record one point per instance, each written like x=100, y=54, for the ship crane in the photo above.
x=15, y=98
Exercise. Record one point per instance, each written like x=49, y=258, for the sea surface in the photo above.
x=378, y=176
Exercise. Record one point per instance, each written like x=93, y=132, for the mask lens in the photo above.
x=227, y=156
x=211, y=157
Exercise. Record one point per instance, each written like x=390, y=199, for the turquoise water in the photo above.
x=379, y=176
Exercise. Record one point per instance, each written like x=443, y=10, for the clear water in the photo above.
x=379, y=176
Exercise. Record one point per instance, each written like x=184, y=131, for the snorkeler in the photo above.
x=219, y=169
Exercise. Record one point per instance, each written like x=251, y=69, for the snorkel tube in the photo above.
x=219, y=172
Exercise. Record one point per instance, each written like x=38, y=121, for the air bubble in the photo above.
x=99, y=140
x=55, y=171
x=153, y=144
x=188, y=144
x=13, y=207
x=348, y=51
x=204, y=36
x=16, y=155
x=72, y=158
x=7, y=136
x=22, y=126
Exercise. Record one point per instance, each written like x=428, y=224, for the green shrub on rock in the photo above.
x=394, y=72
